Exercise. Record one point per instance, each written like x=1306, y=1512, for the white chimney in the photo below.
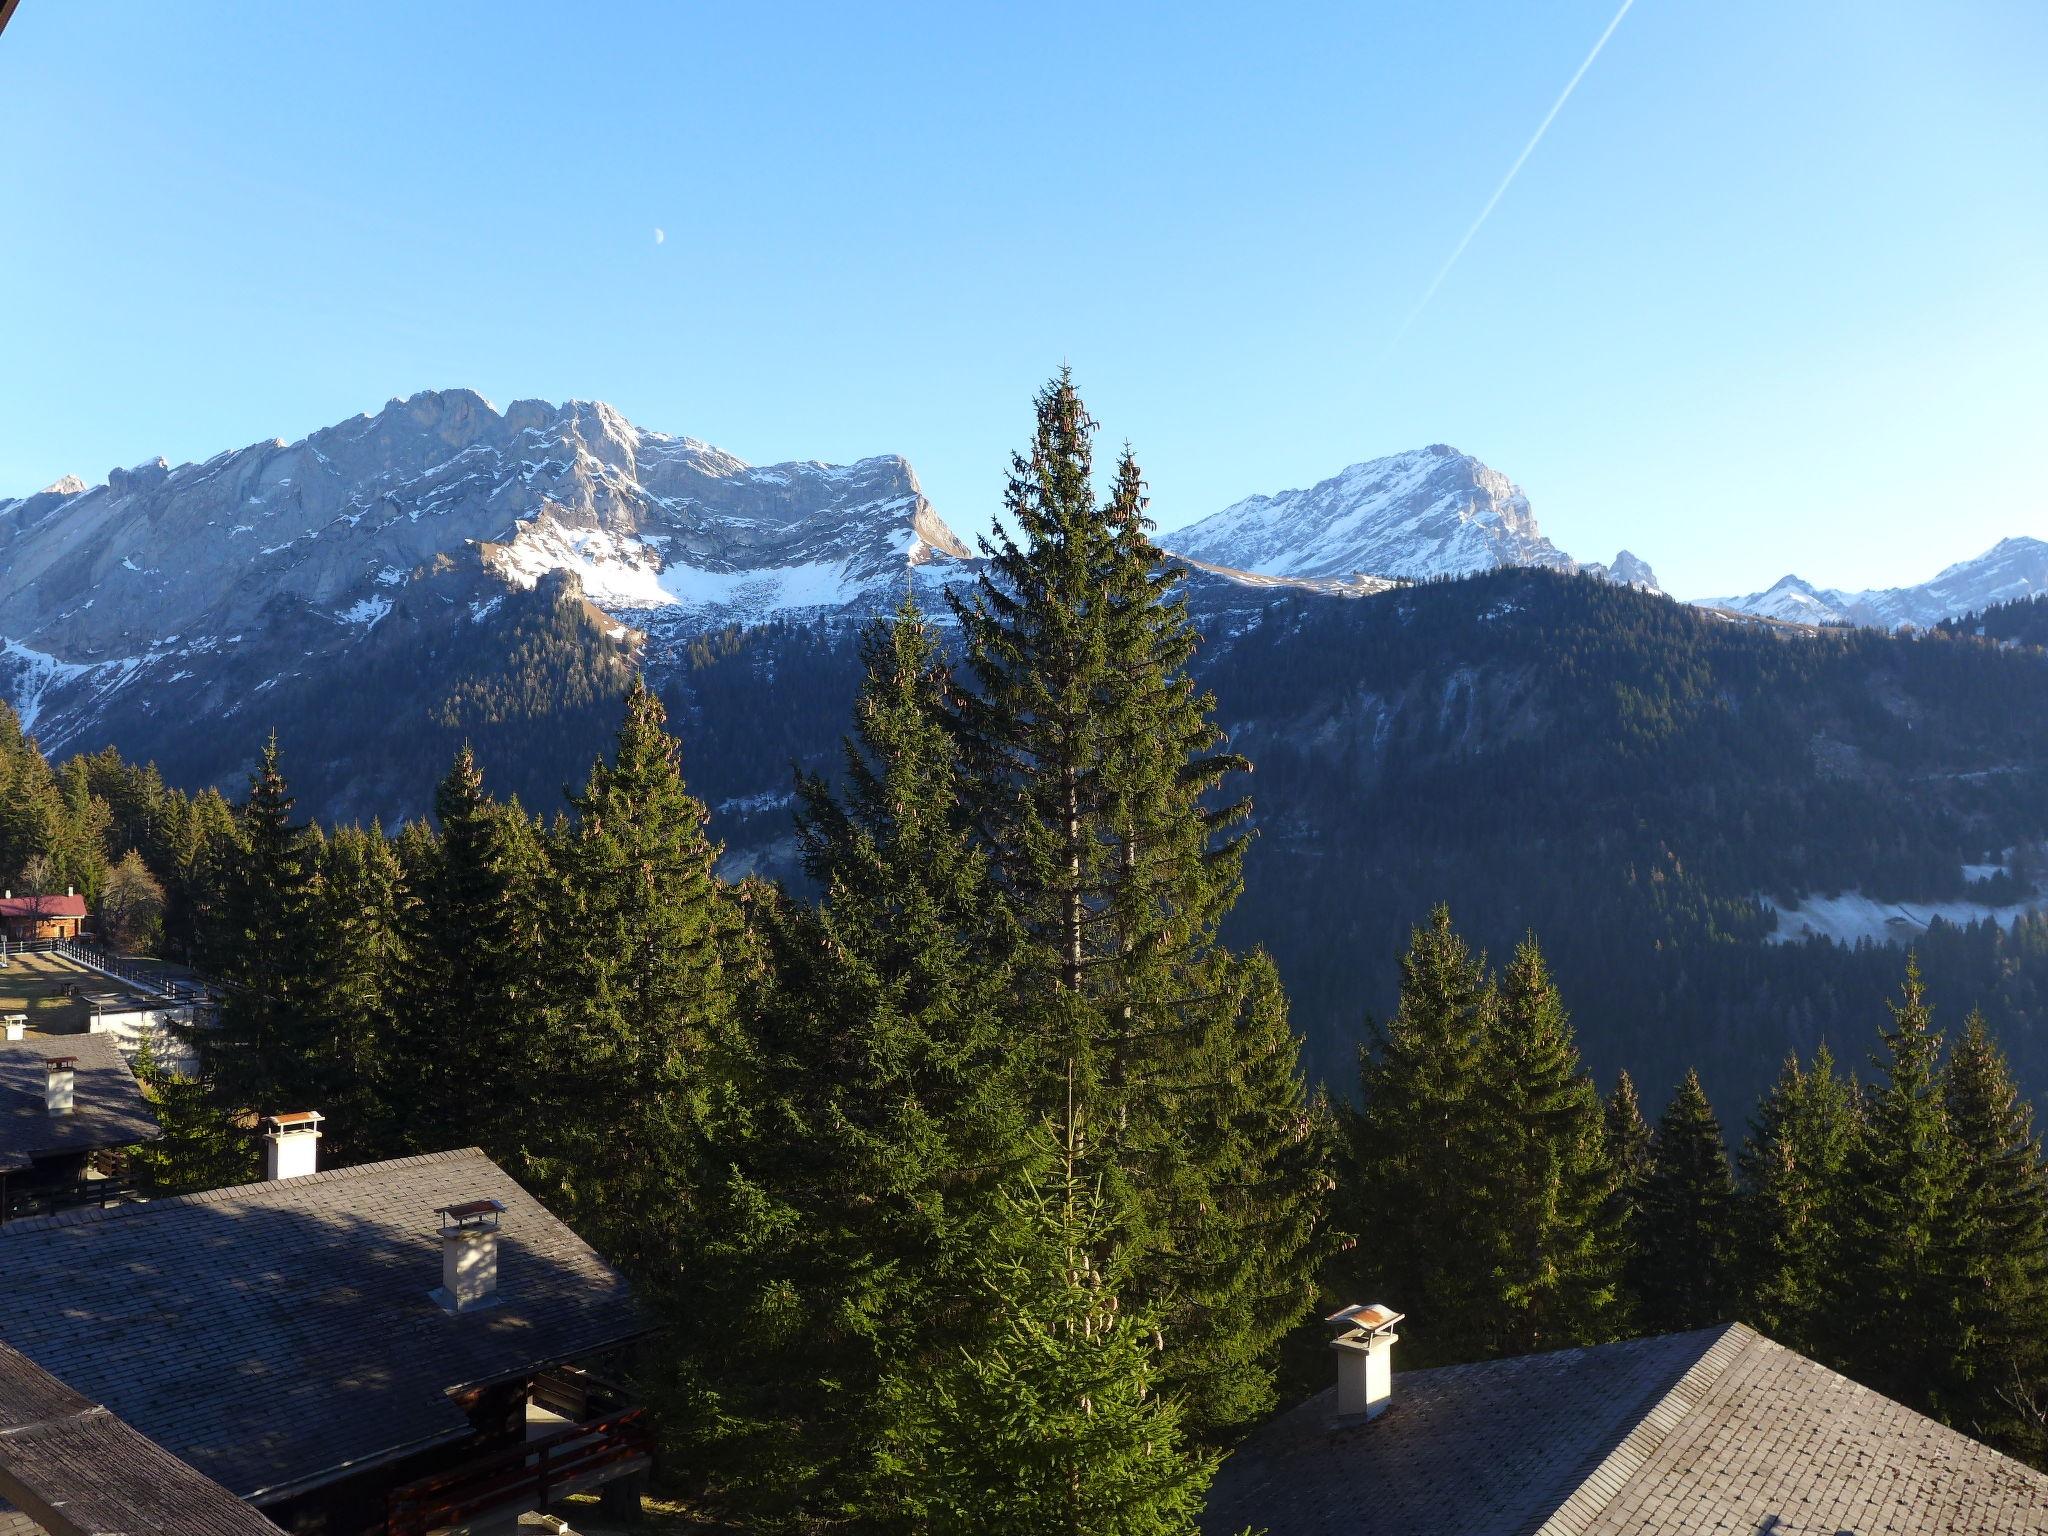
x=17, y=1025
x=60, y=1088
x=1365, y=1360
x=291, y=1144
x=469, y=1255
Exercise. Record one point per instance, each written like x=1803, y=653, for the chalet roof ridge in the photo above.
x=64, y=1457
x=227, y=1193
x=1597, y=1484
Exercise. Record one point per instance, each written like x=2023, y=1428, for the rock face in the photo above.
x=1627, y=571
x=2009, y=570
x=342, y=520
x=278, y=559
x=1431, y=512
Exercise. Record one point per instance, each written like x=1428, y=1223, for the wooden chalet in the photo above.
x=25, y=919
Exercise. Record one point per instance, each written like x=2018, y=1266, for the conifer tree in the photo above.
x=1904, y=1331
x=2001, y=1230
x=461, y=1059
x=1096, y=771
x=1557, y=1270
x=1629, y=1138
x=351, y=1002
x=1423, y=1141
x=1057, y=1427
x=1682, y=1274
x=1794, y=1175
x=1629, y=1141
x=894, y=1104
x=635, y=946
x=258, y=947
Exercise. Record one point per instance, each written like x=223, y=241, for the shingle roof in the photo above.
x=1715, y=1431
x=81, y=1469
x=276, y=1335
x=109, y=1111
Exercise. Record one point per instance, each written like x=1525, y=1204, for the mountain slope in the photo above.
x=185, y=592
x=1428, y=513
x=2010, y=570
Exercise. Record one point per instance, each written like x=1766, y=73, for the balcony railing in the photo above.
x=523, y=1477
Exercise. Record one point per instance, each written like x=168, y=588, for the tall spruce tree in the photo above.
x=259, y=947
x=1792, y=1210
x=1096, y=769
x=1902, y=1307
x=893, y=1106
x=1683, y=1270
x=462, y=1050
x=2001, y=1232
x=638, y=927
x=1629, y=1142
x=1423, y=1140
x=1557, y=1269
x=1057, y=1427
x=350, y=1004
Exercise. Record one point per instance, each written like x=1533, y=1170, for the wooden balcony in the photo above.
x=490, y=1493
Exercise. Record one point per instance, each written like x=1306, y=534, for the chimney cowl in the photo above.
x=1365, y=1371
x=469, y=1255
x=16, y=1024
x=291, y=1143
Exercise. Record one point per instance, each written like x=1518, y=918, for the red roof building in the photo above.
x=42, y=917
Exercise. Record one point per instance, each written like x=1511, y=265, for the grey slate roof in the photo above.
x=1719, y=1431
x=277, y=1335
x=110, y=1109
x=80, y=1469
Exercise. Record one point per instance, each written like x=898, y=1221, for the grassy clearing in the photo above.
x=34, y=985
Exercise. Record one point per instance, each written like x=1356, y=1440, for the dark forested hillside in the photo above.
x=1630, y=777
x=2021, y=622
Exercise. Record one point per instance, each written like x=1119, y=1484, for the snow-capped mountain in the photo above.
x=1430, y=512
x=2009, y=570
x=438, y=504
x=345, y=519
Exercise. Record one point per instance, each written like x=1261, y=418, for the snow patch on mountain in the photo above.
x=1850, y=916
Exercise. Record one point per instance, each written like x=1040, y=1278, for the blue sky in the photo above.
x=1769, y=296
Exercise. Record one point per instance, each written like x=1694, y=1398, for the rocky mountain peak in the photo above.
x=338, y=524
x=1428, y=512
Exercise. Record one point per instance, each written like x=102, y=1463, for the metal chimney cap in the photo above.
x=295, y=1120
x=59, y=1063
x=1374, y=1318
x=470, y=1215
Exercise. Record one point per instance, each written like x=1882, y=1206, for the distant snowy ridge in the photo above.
x=1431, y=512
x=2010, y=570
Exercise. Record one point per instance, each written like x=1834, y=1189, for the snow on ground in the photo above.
x=819, y=584
x=366, y=611
x=27, y=677
x=625, y=574
x=1852, y=916
x=617, y=570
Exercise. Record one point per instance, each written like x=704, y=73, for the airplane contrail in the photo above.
x=1508, y=180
